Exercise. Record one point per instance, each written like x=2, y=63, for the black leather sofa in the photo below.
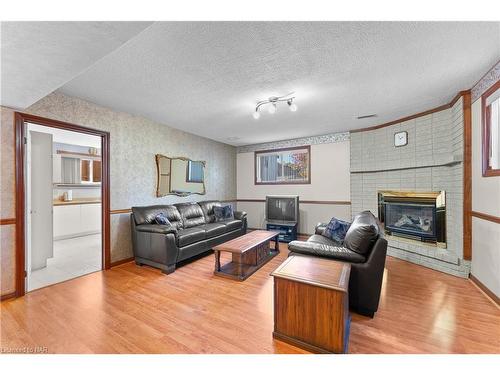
x=193, y=230
x=364, y=247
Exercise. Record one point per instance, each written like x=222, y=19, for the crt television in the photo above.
x=282, y=208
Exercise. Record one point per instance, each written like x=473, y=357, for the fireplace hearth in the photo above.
x=417, y=216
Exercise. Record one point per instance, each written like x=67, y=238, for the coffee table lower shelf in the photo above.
x=237, y=270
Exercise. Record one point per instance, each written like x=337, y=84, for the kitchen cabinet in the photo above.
x=74, y=168
x=76, y=220
x=96, y=171
x=90, y=217
x=85, y=170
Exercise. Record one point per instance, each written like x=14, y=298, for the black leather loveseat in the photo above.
x=363, y=247
x=192, y=231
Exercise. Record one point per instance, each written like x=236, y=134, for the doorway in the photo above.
x=62, y=201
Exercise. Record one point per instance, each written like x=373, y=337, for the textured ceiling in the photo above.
x=38, y=57
x=205, y=77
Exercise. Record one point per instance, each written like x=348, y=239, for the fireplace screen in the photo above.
x=413, y=219
x=416, y=215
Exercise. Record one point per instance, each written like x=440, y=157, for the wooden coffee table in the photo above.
x=311, y=304
x=250, y=252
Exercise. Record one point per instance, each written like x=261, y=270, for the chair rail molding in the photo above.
x=8, y=221
x=487, y=217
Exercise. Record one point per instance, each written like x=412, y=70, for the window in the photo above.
x=283, y=166
x=491, y=131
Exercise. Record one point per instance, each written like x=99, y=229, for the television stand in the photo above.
x=288, y=231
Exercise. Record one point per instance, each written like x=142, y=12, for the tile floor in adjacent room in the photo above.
x=72, y=258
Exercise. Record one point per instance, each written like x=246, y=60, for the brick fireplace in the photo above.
x=421, y=185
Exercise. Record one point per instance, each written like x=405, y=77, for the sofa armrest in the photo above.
x=320, y=228
x=366, y=279
x=156, y=247
x=240, y=215
x=326, y=251
x=156, y=228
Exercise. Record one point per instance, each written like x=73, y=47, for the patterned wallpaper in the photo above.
x=486, y=82
x=7, y=202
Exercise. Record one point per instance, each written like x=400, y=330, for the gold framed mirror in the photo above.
x=179, y=176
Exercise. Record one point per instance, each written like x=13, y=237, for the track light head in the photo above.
x=272, y=104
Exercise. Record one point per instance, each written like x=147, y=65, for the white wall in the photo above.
x=485, y=190
x=485, y=199
x=330, y=181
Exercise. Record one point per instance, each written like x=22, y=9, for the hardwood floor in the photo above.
x=131, y=309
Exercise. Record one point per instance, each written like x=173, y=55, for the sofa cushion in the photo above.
x=191, y=214
x=156, y=228
x=188, y=236
x=208, y=210
x=323, y=240
x=318, y=249
x=362, y=233
x=147, y=214
x=213, y=229
x=336, y=229
x=223, y=213
x=231, y=224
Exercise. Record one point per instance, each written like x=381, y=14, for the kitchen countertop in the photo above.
x=58, y=202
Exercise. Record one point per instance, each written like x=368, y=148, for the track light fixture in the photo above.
x=273, y=101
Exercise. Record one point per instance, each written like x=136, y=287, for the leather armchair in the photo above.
x=364, y=247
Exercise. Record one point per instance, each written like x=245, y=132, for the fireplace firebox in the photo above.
x=417, y=216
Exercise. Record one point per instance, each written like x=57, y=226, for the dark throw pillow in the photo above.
x=162, y=219
x=223, y=213
x=336, y=229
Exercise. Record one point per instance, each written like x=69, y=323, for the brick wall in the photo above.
x=431, y=161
